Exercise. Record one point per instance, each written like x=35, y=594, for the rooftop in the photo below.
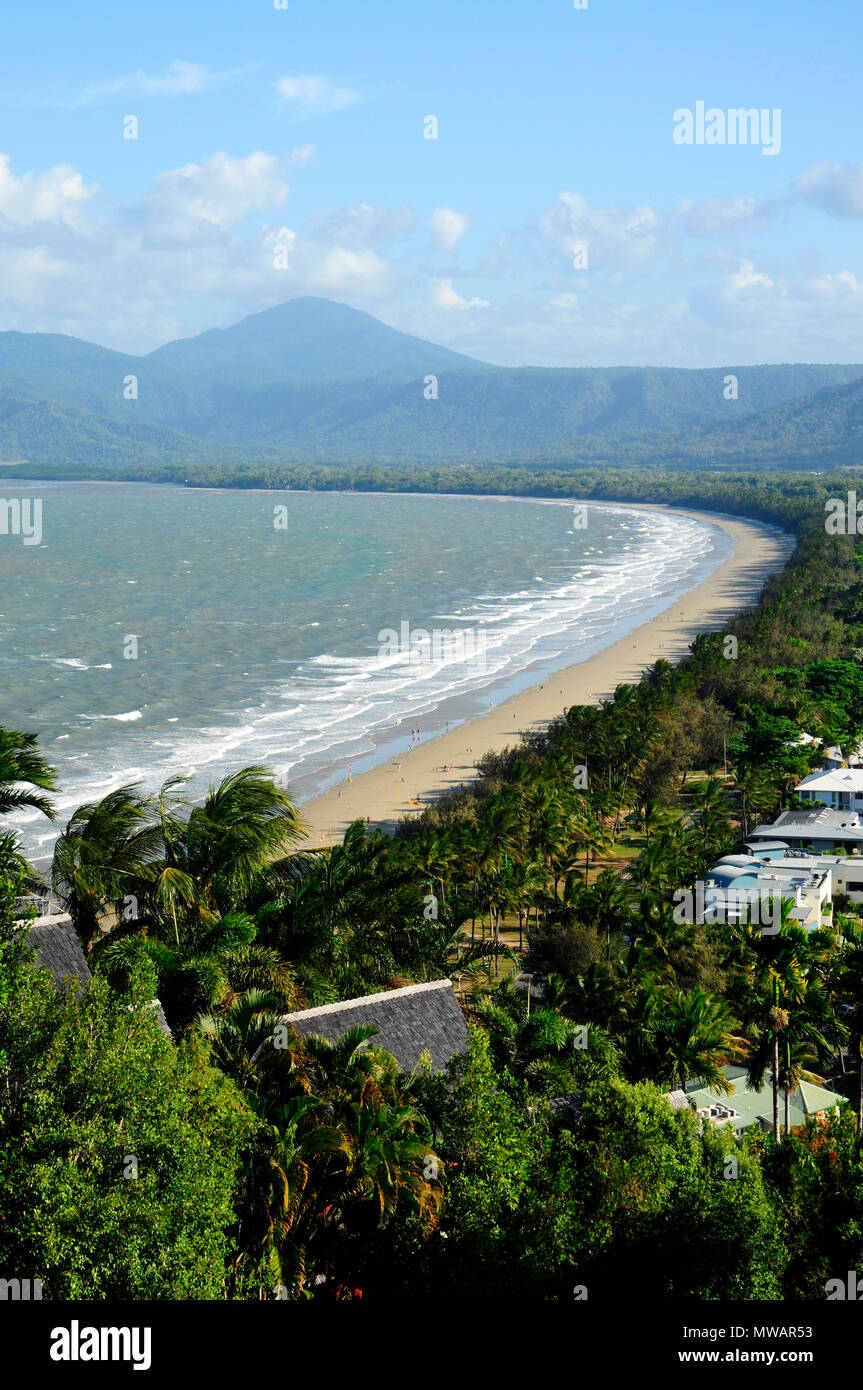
x=840, y=779
x=58, y=948
x=824, y=815
x=750, y=1107
x=410, y=1021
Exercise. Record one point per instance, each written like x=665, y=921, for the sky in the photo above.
x=558, y=218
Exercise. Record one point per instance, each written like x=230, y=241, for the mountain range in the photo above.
x=312, y=380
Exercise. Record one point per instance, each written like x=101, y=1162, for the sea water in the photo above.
x=163, y=630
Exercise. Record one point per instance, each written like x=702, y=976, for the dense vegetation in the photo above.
x=546, y=1162
x=314, y=380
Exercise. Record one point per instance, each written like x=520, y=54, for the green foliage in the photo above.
x=119, y=1152
x=292, y=384
x=647, y=1211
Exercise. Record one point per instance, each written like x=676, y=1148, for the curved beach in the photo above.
x=404, y=784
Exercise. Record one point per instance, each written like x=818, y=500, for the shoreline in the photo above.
x=413, y=780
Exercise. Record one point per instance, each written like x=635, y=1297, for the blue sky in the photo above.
x=302, y=130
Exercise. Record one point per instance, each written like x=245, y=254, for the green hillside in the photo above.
x=315, y=381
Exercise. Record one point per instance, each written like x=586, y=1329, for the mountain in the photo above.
x=305, y=339
x=825, y=426
x=509, y=413
x=318, y=381
x=42, y=431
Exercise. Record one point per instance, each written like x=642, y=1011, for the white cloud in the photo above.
x=197, y=249
x=221, y=191
x=341, y=271
x=746, y=277
x=448, y=227
x=180, y=78
x=835, y=188
x=445, y=297
x=842, y=285
x=58, y=194
x=714, y=216
x=365, y=222
x=301, y=154
x=315, y=96
x=615, y=237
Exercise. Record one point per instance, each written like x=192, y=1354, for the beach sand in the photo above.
x=385, y=792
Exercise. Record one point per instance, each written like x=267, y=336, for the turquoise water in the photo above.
x=262, y=644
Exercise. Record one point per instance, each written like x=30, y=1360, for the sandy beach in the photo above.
x=404, y=784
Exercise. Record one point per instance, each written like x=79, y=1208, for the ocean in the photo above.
x=160, y=630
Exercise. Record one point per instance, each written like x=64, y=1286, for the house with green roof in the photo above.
x=746, y=1107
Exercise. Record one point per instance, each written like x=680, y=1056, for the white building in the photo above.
x=835, y=758
x=841, y=789
x=743, y=885
x=814, y=831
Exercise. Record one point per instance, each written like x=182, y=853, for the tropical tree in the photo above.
x=24, y=775
x=690, y=1036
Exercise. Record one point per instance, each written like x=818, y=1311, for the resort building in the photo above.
x=745, y=884
x=834, y=757
x=59, y=950
x=746, y=1107
x=815, y=831
x=420, y=1018
x=839, y=788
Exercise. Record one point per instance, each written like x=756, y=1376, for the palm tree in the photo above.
x=851, y=958
x=711, y=811
x=438, y=940
x=105, y=854
x=208, y=971
x=803, y=1042
x=23, y=775
x=245, y=825
x=185, y=867
x=691, y=1037
x=246, y=1041
x=774, y=969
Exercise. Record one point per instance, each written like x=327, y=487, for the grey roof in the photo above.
x=561, y=1104
x=58, y=948
x=825, y=816
x=410, y=1020
x=677, y=1100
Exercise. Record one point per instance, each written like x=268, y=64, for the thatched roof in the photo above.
x=60, y=951
x=58, y=948
x=410, y=1020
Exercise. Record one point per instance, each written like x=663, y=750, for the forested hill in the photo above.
x=314, y=381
